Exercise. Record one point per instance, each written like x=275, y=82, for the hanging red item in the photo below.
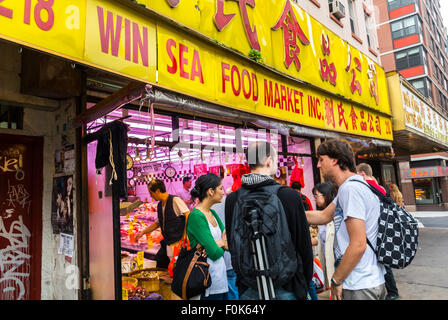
x=237, y=174
x=297, y=174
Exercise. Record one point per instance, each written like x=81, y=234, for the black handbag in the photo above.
x=191, y=275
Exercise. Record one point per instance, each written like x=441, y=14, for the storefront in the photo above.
x=193, y=96
x=420, y=137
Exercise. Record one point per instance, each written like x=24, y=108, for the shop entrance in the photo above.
x=427, y=191
x=170, y=147
x=20, y=217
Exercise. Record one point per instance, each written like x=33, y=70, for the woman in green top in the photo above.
x=205, y=227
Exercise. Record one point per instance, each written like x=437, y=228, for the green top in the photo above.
x=198, y=231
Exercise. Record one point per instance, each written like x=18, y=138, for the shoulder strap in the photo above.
x=380, y=196
x=373, y=189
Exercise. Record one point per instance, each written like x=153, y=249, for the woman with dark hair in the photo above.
x=205, y=227
x=324, y=193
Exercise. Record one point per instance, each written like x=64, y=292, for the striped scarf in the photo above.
x=254, y=178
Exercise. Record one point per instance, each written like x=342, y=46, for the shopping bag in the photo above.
x=318, y=276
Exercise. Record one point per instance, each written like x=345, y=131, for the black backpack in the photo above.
x=397, y=240
x=281, y=253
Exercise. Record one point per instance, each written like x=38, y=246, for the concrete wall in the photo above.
x=42, y=117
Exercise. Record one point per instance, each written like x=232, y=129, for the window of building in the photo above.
x=404, y=28
x=351, y=12
x=11, y=117
x=368, y=21
x=396, y=4
x=422, y=85
x=409, y=58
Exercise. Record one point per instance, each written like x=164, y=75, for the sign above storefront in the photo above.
x=190, y=66
x=289, y=41
x=102, y=34
x=422, y=118
x=110, y=36
x=426, y=172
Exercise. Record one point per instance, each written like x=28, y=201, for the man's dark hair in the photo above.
x=296, y=185
x=185, y=179
x=155, y=185
x=340, y=150
x=258, y=152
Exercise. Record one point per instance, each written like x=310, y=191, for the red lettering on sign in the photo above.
x=232, y=78
x=254, y=87
x=283, y=104
x=224, y=66
x=362, y=123
x=341, y=112
x=388, y=127
x=276, y=96
x=169, y=44
x=370, y=120
x=296, y=100
x=127, y=39
x=378, y=124
x=196, y=67
x=354, y=118
x=291, y=31
x=6, y=12
x=327, y=71
x=44, y=5
x=268, y=96
x=107, y=33
x=182, y=60
x=329, y=112
x=140, y=45
x=244, y=82
x=313, y=108
x=222, y=20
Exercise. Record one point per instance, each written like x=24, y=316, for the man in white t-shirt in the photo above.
x=355, y=211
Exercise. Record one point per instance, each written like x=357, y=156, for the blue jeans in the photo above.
x=312, y=291
x=280, y=293
x=233, y=289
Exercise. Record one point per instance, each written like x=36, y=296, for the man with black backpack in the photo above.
x=267, y=232
x=355, y=211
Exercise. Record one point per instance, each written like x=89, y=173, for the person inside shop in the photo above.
x=205, y=227
x=306, y=201
x=171, y=213
x=365, y=170
x=184, y=193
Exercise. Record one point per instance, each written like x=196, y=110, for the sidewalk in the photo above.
x=429, y=214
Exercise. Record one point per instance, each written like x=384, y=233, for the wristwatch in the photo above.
x=334, y=283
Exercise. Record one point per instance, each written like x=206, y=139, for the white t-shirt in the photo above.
x=357, y=201
x=186, y=196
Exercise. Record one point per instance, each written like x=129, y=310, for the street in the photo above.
x=426, y=278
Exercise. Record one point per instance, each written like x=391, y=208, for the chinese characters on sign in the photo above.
x=222, y=20
x=291, y=31
x=327, y=71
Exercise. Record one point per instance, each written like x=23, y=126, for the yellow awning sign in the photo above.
x=192, y=67
x=289, y=40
